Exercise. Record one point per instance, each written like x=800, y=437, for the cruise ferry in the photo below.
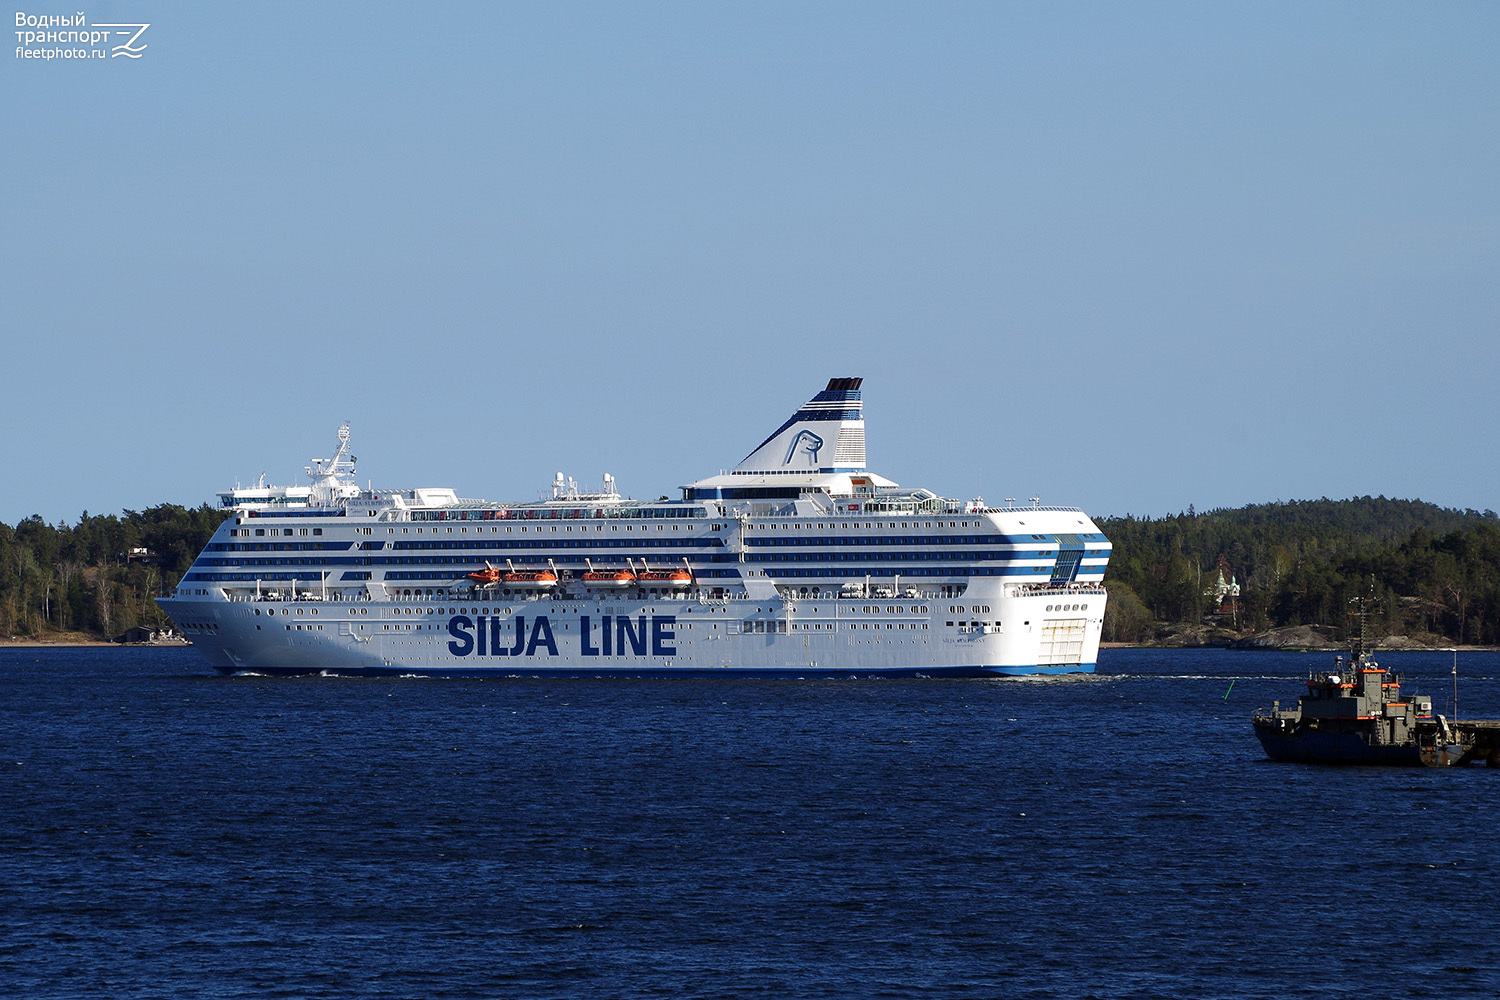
x=799, y=562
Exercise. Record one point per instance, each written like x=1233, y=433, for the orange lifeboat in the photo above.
x=649, y=577
x=487, y=577
x=607, y=579
x=528, y=579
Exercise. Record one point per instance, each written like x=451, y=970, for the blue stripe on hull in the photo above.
x=667, y=672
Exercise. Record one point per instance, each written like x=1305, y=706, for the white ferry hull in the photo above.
x=665, y=638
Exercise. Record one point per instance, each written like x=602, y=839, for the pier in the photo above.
x=1480, y=739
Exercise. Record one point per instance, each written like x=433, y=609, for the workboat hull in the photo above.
x=1313, y=747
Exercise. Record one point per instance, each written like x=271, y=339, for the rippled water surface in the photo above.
x=169, y=832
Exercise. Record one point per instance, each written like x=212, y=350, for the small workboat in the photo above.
x=1356, y=713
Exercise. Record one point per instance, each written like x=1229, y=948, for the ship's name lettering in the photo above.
x=523, y=635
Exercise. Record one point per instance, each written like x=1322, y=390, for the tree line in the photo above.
x=1434, y=571
x=98, y=577
x=1430, y=570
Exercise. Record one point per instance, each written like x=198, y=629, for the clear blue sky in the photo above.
x=1127, y=256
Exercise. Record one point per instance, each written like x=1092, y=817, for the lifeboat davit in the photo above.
x=528, y=579
x=607, y=579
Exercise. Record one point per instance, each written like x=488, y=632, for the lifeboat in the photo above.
x=487, y=577
x=528, y=579
x=607, y=579
x=648, y=577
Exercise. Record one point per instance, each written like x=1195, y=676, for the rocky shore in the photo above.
x=1316, y=638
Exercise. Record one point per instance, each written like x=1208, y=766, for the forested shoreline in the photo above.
x=97, y=578
x=1433, y=572
x=1426, y=571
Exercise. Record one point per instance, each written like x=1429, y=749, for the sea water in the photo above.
x=168, y=832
